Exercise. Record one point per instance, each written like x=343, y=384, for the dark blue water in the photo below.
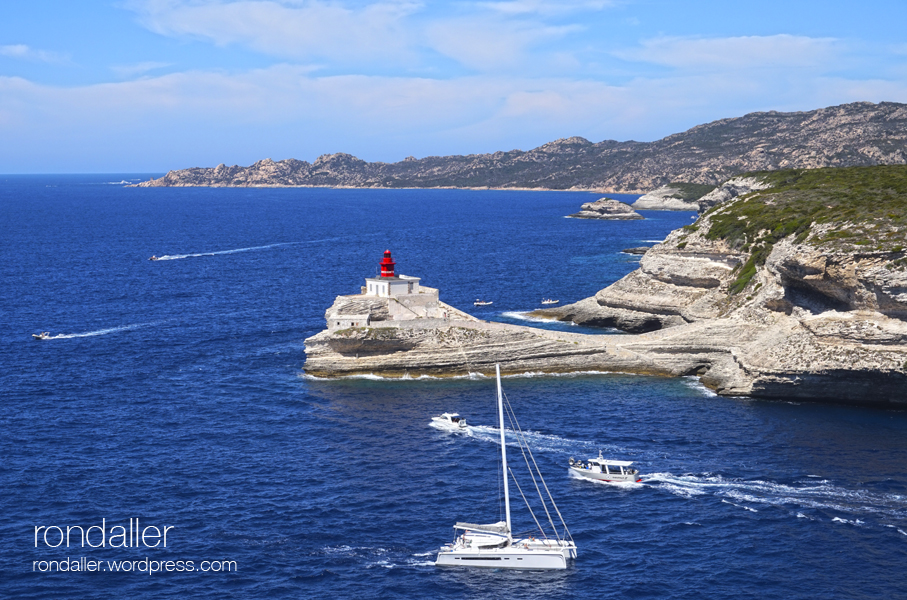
x=174, y=394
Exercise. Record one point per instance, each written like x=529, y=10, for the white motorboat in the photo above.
x=482, y=302
x=450, y=421
x=550, y=301
x=44, y=335
x=604, y=469
x=493, y=545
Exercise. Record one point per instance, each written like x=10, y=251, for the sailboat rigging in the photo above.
x=493, y=545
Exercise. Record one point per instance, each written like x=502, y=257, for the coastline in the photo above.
x=375, y=187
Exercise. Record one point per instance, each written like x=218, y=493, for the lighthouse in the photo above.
x=389, y=299
x=387, y=265
x=389, y=284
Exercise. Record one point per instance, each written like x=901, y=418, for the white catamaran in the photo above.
x=493, y=545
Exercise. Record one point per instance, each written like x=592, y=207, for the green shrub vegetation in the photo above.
x=690, y=191
x=865, y=206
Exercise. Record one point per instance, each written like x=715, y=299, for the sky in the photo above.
x=144, y=86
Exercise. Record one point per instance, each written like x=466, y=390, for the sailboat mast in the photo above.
x=497, y=369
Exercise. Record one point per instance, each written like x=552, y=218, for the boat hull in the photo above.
x=503, y=559
x=609, y=477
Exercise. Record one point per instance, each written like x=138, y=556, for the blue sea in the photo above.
x=172, y=392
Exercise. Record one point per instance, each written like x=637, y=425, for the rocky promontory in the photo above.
x=607, y=208
x=861, y=133
x=674, y=196
x=794, y=285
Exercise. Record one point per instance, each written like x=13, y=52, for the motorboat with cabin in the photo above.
x=604, y=469
x=493, y=545
x=450, y=421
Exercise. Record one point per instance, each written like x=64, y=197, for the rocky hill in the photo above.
x=793, y=284
x=857, y=134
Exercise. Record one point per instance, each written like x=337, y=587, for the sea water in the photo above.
x=172, y=392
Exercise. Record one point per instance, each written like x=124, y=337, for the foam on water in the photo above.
x=471, y=376
x=740, y=506
x=812, y=495
x=65, y=336
x=523, y=315
x=692, y=381
x=537, y=441
x=247, y=249
x=219, y=252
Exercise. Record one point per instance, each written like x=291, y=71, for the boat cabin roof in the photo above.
x=616, y=463
x=450, y=414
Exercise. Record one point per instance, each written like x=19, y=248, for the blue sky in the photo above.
x=150, y=85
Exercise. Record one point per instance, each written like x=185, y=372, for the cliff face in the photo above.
x=674, y=196
x=861, y=133
x=815, y=307
x=794, y=286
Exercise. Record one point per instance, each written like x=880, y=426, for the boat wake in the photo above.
x=819, y=496
x=537, y=441
x=238, y=250
x=388, y=558
x=66, y=336
x=219, y=252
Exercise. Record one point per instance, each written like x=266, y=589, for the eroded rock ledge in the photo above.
x=795, y=311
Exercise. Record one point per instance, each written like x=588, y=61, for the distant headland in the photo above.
x=857, y=134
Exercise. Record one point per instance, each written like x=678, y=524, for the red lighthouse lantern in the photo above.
x=387, y=265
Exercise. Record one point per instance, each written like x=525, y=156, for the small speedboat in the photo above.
x=603, y=469
x=482, y=302
x=44, y=335
x=153, y=257
x=449, y=421
x=550, y=301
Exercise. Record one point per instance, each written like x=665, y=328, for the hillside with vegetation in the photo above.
x=857, y=134
x=792, y=283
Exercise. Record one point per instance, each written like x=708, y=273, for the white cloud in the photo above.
x=25, y=52
x=385, y=33
x=204, y=118
x=783, y=51
x=293, y=30
x=488, y=45
x=545, y=7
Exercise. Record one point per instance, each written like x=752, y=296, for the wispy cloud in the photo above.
x=783, y=51
x=396, y=35
x=545, y=7
x=291, y=30
x=24, y=52
x=285, y=111
x=126, y=71
x=489, y=45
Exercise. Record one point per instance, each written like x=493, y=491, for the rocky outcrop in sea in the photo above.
x=608, y=209
x=861, y=133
